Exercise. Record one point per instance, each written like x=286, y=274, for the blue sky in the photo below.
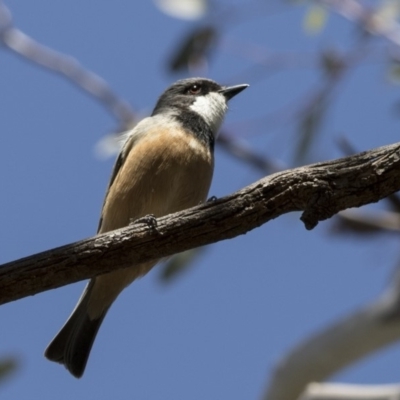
x=218, y=330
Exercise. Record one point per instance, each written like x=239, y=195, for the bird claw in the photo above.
x=150, y=220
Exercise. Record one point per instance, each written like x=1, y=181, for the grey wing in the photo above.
x=117, y=166
x=131, y=138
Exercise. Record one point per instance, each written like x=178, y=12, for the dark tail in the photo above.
x=73, y=343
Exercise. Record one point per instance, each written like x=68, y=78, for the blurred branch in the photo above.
x=337, y=391
x=335, y=66
x=246, y=154
x=372, y=21
x=321, y=355
x=363, y=222
x=68, y=67
x=319, y=190
x=194, y=49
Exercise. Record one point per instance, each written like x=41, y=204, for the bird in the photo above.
x=165, y=165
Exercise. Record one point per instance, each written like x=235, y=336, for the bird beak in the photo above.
x=231, y=91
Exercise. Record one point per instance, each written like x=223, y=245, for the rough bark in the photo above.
x=319, y=190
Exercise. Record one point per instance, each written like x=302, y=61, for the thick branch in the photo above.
x=320, y=191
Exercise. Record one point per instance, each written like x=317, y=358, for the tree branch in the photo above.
x=341, y=391
x=352, y=337
x=319, y=190
x=20, y=43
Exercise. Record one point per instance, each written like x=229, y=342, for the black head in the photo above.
x=184, y=93
x=197, y=103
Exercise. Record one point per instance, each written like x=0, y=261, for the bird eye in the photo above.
x=194, y=89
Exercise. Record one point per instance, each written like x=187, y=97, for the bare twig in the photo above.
x=362, y=15
x=23, y=45
x=361, y=333
x=337, y=391
x=368, y=222
x=247, y=155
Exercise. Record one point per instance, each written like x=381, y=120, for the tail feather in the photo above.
x=73, y=343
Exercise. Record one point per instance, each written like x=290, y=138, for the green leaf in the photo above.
x=180, y=263
x=7, y=367
x=315, y=19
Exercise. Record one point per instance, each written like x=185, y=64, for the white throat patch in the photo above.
x=212, y=107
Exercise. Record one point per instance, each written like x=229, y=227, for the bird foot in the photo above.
x=150, y=220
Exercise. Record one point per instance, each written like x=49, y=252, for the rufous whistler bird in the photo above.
x=166, y=165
